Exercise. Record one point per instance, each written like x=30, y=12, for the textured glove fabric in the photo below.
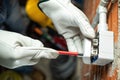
x=69, y=21
x=17, y=50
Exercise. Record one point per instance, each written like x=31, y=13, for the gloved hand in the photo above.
x=17, y=50
x=69, y=22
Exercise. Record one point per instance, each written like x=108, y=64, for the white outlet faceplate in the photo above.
x=105, y=49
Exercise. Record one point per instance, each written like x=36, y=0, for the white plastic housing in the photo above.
x=106, y=48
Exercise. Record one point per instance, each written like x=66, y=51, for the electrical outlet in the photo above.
x=105, y=48
x=101, y=51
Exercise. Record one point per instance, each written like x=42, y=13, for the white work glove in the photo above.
x=69, y=22
x=17, y=50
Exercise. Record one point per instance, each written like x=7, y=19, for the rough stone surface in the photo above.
x=116, y=63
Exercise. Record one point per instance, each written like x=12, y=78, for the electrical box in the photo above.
x=101, y=51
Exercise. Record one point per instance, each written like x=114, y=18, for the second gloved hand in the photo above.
x=17, y=50
x=69, y=22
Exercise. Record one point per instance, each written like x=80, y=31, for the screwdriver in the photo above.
x=70, y=53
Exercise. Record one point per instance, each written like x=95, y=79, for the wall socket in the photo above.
x=103, y=53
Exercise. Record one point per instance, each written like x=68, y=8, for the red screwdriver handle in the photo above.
x=68, y=53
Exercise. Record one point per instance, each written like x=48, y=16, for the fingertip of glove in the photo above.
x=51, y=54
x=55, y=55
x=90, y=34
